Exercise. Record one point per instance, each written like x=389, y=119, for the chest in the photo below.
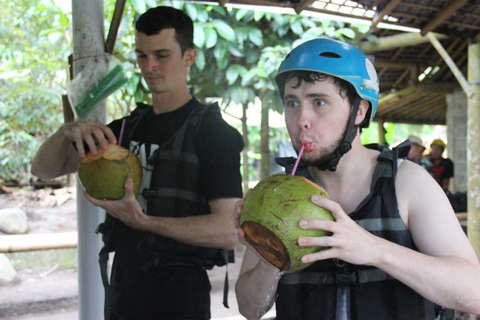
x=351, y=195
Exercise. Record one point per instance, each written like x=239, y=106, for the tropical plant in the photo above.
x=33, y=70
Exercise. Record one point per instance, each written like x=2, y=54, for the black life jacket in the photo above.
x=370, y=293
x=174, y=192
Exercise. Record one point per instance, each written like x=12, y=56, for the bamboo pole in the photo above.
x=397, y=41
x=38, y=241
x=451, y=64
x=115, y=24
x=473, y=148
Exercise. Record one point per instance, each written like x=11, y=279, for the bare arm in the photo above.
x=214, y=230
x=445, y=271
x=257, y=282
x=57, y=156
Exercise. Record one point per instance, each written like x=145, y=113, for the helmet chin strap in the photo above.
x=346, y=144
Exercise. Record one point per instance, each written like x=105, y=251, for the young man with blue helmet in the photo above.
x=397, y=250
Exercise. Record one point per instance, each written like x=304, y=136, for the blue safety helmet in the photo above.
x=337, y=59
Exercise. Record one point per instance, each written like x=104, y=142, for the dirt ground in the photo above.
x=46, y=279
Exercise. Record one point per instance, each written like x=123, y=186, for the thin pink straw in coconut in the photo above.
x=121, y=132
x=298, y=160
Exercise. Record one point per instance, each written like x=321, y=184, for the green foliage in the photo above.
x=33, y=60
x=238, y=53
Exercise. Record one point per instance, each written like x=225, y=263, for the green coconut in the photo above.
x=103, y=174
x=270, y=219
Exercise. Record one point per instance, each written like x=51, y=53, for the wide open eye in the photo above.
x=290, y=103
x=318, y=102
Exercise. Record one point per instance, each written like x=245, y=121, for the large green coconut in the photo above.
x=103, y=174
x=270, y=218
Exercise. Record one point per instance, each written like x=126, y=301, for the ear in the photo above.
x=362, y=111
x=189, y=57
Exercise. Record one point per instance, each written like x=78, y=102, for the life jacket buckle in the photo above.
x=344, y=279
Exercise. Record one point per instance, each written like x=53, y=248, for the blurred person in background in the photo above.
x=442, y=167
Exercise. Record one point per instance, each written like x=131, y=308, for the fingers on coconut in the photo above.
x=238, y=207
x=104, y=135
x=129, y=187
x=328, y=204
x=320, y=255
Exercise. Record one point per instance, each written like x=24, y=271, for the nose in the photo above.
x=150, y=65
x=304, y=118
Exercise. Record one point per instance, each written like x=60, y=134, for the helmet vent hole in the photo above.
x=330, y=55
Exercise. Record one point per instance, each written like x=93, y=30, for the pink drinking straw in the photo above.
x=121, y=132
x=298, y=160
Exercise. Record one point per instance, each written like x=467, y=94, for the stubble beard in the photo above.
x=325, y=154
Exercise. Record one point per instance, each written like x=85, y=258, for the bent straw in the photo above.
x=121, y=132
x=298, y=160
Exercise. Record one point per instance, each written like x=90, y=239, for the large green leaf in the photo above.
x=200, y=60
x=255, y=35
x=210, y=37
x=224, y=30
x=198, y=35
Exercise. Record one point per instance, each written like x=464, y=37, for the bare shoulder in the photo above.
x=427, y=212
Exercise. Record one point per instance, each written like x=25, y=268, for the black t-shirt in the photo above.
x=444, y=170
x=170, y=291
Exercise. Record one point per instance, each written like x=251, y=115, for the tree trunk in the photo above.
x=88, y=42
x=246, y=178
x=264, y=142
x=473, y=145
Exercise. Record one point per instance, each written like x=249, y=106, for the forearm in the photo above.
x=211, y=230
x=256, y=290
x=431, y=276
x=55, y=157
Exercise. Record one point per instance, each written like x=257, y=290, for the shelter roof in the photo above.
x=414, y=76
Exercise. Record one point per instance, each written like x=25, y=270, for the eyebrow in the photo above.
x=155, y=52
x=309, y=95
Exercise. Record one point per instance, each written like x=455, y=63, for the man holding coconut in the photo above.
x=180, y=224
x=396, y=249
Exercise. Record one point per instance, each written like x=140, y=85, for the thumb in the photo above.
x=129, y=186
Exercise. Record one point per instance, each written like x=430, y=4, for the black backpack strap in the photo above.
x=132, y=123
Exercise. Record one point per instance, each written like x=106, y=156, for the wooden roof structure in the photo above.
x=414, y=67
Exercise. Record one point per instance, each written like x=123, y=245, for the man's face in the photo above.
x=415, y=152
x=316, y=116
x=435, y=152
x=161, y=62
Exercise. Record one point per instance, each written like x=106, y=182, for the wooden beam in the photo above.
x=395, y=42
x=222, y=3
x=386, y=11
x=442, y=16
x=38, y=241
x=115, y=24
x=451, y=64
x=302, y=5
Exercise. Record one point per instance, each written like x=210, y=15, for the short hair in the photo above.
x=154, y=20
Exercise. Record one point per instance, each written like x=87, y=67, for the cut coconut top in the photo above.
x=113, y=152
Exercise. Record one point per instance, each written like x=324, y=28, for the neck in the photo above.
x=350, y=184
x=167, y=102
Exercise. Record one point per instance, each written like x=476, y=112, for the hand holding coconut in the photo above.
x=348, y=241
x=94, y=133
x=126, y=209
